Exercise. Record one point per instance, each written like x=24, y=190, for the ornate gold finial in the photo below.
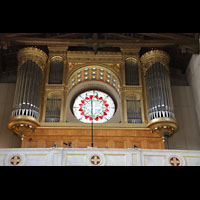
x=31, y=53
x=153, y=56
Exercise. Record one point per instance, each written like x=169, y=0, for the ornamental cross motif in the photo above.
x=15, y=160
x=174, y=161
x=95, y=160
x=93, y=107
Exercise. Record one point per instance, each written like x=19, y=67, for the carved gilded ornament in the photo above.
x=22, y=128
x=22, y=125
x=161, y=125
x=74, y=65
x=54, y=94
x=114, y=66
x=154, y=56
x=135, y=96
x=34, y=54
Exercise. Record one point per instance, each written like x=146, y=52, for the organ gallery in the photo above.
x=103, y=99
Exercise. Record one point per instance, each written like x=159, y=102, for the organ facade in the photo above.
x=108, y=99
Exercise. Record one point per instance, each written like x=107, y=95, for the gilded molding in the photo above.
x=90, y=57
x=31, y=53
x=56, y=57
x=135, y=96
x=135, y=59
x=112, y=67
x=153, y=56
x=54, y=94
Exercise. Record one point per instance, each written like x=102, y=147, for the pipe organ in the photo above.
x=26, y=102
x=62, y=97
x=158, y=90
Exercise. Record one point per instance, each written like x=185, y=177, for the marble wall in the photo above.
x=97, y=157
x=188, y=135
x=193, y=76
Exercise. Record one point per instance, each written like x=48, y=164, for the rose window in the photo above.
x=93, y=106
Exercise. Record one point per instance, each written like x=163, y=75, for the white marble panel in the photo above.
x=192, y=160
x=154, y=160
x=116, y=159
x=99, y=156
x=74, y=159
x=33, y=159
x=2, y=159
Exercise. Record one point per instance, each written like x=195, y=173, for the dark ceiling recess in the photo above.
x=180, y=46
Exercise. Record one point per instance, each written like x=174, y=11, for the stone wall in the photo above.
x=193, y=76
x=188, y=135
x=7, y=138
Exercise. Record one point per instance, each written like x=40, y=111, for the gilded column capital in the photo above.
x=154, y=56
x=31, y=53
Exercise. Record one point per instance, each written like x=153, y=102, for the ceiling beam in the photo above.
x=192, y=44
x=67, y=35
x=17, y=34
x=119, y=35
x=172, y=36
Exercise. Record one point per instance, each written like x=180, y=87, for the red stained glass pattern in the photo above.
x=94, y=106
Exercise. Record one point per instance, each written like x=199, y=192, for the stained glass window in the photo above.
x=93, y=106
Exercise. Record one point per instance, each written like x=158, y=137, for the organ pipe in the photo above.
x=56, y=70
x=25, y=112
x=158, y=90
x=131, y=72
x=28, y=93
x=53, y=110
x=133, y=110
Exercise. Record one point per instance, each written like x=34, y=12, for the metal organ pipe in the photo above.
x=26, y=102
x=158, y=92
x=56, y=70
x=28, y=93
x=158, y=89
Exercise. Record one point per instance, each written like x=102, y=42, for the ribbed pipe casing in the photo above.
x=158, y=92
x=26, y=103
x=158, y=89
x=27, y=92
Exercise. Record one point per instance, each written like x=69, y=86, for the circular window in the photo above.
x=93, y=106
